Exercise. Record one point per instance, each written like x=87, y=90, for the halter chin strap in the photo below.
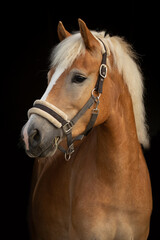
x=60, y=120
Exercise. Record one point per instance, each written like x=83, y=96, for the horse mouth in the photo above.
x=44, y=151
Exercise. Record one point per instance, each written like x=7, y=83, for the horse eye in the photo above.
x=78, y=78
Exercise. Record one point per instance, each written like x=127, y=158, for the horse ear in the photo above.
x=62, y=32
x=88, y=38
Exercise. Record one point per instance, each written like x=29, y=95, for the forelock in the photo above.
x=65, y=53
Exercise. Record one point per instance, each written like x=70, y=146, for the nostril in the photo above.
x=34, y=137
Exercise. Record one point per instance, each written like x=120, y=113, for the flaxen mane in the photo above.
x=68, y=50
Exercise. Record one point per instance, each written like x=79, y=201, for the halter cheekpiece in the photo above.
x=60, y=120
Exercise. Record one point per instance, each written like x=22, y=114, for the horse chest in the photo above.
x=91, y=223
x=61, y=211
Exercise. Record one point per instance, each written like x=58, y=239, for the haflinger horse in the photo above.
x=90, y=179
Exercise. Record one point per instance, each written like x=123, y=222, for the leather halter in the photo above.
x=59, y=119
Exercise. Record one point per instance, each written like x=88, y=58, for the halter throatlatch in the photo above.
x=60, y=120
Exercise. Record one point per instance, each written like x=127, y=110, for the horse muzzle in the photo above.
x=41, y=138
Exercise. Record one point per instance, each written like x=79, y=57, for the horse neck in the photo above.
x=118, y=146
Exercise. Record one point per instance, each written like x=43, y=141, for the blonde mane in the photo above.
x=68, y=50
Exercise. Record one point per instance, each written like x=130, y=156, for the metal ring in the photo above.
x=95, y=97
x=67, y=156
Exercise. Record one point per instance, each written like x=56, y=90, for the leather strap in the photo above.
x=88, y=105
x=102, y=71
x=51, y=112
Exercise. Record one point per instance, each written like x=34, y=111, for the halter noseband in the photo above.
x=59, y=119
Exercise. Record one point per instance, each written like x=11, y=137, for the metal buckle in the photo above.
x=103, y=70
x=67, y=127
x=95, y=111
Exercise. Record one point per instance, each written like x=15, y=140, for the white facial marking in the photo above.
x=54, y=78
x=25, y=131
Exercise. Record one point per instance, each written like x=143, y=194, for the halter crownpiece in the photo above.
x=60, y=120
x=102, y=70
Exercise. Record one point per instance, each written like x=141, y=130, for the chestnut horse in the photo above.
x=90, y=179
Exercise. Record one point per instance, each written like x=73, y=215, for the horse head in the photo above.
x=76, y=64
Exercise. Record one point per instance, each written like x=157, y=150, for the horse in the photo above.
x=90, y=178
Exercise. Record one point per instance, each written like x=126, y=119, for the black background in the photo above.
x=28, y=33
